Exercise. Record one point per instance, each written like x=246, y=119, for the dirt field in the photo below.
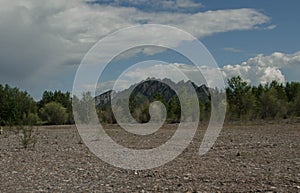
x=245, y=158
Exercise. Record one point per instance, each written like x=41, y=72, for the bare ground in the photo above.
x=245, y=158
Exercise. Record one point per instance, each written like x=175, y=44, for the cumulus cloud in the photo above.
x=41, y=38
x=262, y=68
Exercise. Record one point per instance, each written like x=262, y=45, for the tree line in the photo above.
x=269, y=101
x=17, y=107
x=244, y=102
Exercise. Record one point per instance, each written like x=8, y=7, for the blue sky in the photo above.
x=42, y=43
x=283, y=38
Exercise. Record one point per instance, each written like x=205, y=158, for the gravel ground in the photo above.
x=245, y=158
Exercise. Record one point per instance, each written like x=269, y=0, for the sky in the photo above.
x=43, y=42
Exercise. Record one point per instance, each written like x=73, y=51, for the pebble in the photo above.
x=273, y=187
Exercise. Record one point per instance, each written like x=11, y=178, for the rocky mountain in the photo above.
x=153, y=89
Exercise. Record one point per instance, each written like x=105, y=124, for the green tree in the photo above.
x=60, y=97
x=16, y=106
x=292, y=90
x=296, y=105
x=84, y=108
x=256, y=96
x=205, y=110
x=239, y=97
x=54, y=113
x=174, y=110
x=273, y=103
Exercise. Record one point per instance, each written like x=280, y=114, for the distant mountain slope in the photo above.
x=151, y=89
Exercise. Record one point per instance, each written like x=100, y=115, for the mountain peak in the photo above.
x=152, y=87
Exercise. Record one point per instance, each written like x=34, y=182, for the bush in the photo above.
x=27, y=136
x=54, y=113
x=32, y=119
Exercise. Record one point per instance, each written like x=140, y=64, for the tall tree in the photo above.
x=238, y=93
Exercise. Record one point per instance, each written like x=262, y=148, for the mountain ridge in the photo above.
x=152, y=88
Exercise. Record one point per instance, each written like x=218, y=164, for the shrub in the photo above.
x=27, y=136
x=54, y=113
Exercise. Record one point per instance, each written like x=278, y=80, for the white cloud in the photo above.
x=270, y=27
x=38, y=37
x=263, y=69
x=234, y=50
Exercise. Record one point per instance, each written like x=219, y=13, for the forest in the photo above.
x=271, y=101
